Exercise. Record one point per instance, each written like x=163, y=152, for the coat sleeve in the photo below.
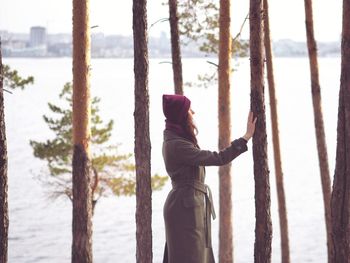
x=188, y=154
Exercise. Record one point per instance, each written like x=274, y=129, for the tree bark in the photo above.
x=142, y=136
x=282, y=209
x=82, y=199
x=263, y=226
x=4, y=218
x=175, y=47
x=340, y=204
x=318, y=120
x=225, y=190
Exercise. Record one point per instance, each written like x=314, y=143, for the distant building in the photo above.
x=37, y=36
x=41, y=44
x=52, y=39
x=4, y=35
x=60, y=49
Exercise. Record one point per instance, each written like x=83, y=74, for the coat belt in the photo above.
x=209, y=204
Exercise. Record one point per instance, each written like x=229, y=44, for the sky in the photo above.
x=115, y=17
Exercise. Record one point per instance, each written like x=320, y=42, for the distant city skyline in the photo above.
x=115, y=17
x=39, y=43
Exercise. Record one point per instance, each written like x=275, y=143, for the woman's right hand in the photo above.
x=250, y=126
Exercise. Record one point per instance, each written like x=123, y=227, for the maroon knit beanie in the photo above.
x=175, y=108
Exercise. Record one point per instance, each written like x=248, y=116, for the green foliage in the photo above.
x=12, y=80
x=112, y=173
x=126, y=186
x=199, y=22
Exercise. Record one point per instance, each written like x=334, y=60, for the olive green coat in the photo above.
x=188, y=208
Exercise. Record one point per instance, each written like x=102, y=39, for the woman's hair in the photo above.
x=191, y=128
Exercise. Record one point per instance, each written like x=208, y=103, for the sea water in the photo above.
x=40, y=228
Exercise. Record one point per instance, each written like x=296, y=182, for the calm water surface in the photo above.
x=40, y=228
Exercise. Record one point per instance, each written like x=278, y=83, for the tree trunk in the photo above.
x=263, y=226
x=282, y=210
x=4, y=218
x=225, y=224
x=318, y=120
x=142, y=136
x=175, y=47
x=340, y=205
x=82, y=205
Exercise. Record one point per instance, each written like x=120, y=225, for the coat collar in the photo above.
x=170, y=135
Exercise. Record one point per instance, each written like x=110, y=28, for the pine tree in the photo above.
x=263, y=225
x=4, y=217
x=82, y=205
x=12, y=80
x=9, y=79
x=340, y=204
x=112, y=173
x=142, y=136
x=319, y=125
x=224, y=115
x=282, y=209
x=199, y=23
x=175, y=47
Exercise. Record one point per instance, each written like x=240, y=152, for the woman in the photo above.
x=189, y=205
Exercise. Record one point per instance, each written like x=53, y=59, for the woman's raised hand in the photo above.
x=250, y=126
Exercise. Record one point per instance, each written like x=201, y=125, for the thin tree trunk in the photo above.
x=4, y=218
x=225, y=224
x=82, y=205
x=142, y=136
x=318, y=120
x=175, y=47
x=263, y=226
x=282, y=209
x=340, y=205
